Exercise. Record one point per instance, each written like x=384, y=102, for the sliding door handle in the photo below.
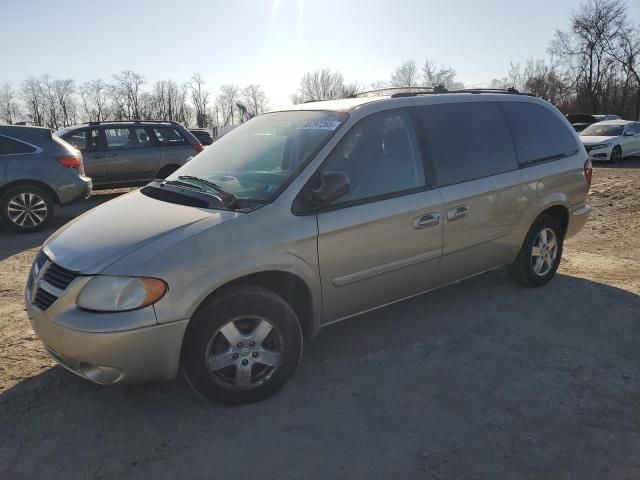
x=456, y=213
x=426, y=221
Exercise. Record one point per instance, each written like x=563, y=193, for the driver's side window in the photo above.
x=380, y=155
x=85, y=140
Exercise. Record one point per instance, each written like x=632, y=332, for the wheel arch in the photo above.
x=561, y=213
x=34, y=183
x=291, y=287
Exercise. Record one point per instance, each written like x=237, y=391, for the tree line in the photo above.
x=593, y=66
x=57, y=103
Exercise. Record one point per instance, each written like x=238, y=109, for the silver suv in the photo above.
x=301, y=218
x=129, y=153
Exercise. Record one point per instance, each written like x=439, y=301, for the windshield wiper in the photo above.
x=205, y=185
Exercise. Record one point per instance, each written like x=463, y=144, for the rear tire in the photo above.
x=540, y=255
x=26, y=208
x=242, y=346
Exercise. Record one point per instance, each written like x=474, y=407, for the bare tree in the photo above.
x=200, y=98
x=625, y=49
x=320, y=85
x=9, y=106
x=440, y=75
x=94, y=95
x=584, y=46
x=254, y=99
x=405, y=75
x=226, y=103
x=126, y=92
x=64, y=92
x=33, y=97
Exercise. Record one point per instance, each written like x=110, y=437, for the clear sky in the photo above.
x=272, y=42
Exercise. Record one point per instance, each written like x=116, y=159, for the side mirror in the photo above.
x=333, y=185
x=629, y=134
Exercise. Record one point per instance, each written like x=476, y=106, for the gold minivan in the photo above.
x=301, y=218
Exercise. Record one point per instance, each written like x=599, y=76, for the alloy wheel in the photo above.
x=544, y=252
x=27, y=209
x=244, y=353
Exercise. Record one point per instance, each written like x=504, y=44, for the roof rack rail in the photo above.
x=440, y=89
x=170, y=122
x=386, y=89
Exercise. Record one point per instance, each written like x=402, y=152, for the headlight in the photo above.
x=601, y=146
x=119, y=294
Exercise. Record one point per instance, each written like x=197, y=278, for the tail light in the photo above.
x=70, y=161
x=197, y=147
x=588, y=171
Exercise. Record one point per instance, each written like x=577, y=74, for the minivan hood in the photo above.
x=594, y=140
x=109, y=232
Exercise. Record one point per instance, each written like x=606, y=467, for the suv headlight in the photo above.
x=105, y=293
x=601, y=146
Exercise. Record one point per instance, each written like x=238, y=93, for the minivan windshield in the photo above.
x=255, y=159
x=596, y=130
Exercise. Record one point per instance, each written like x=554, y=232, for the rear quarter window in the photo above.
x=9, y=146
x=538, y=133
x=168, y=136
x=466, y=141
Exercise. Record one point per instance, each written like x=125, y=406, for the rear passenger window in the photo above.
x=127, y=137
x=538, y=133
x=9, y=146
x=466, y=141
x=118, y=138
x=169, y=136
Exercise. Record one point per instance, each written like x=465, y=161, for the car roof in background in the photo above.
x=119, y=122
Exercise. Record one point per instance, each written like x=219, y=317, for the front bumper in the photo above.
x=600, y=155
x=107, y=357
x=578, y=216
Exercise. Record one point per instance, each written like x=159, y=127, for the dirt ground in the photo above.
x=481, y=380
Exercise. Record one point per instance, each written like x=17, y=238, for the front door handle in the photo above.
x=456, y=213
x=426, y=221
x=111, y=155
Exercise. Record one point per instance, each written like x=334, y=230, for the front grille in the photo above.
x=53, y=275
x=58, y=276
x=44, y=299
x=40, y=260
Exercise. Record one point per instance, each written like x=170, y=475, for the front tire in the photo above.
x=26, y=208
x=616, y=155
x=242, y=346
x=540, y=254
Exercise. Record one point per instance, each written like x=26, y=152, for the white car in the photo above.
x=611, y=140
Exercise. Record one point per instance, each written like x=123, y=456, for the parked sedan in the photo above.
x=611, y=140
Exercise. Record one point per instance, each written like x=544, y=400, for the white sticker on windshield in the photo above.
x=320, y=125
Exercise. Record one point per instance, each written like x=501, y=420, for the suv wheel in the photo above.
x=540, y=254
x=26, y=208
x=242, y=346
